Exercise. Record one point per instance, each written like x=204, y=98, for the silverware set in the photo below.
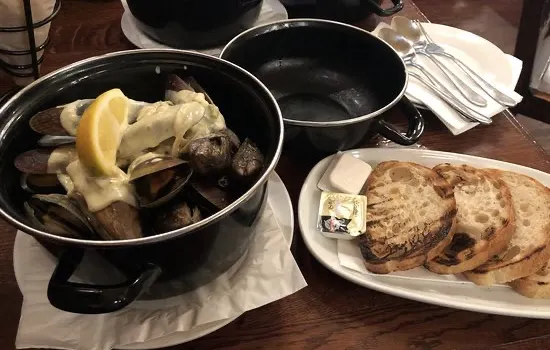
x=410, y=39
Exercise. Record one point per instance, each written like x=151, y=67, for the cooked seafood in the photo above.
x=174, y=162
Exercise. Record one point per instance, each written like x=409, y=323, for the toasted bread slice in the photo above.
x=484, y=221
x=529, y=248
x=411, y=215
x=534, y=286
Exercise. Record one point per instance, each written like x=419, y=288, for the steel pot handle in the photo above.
x=94, y=299
x=414, y=131
x=397, y=6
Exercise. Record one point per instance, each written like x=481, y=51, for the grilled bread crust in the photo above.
x=411, y=217
x=534, y=286
x=529, y=248
x=485, y=219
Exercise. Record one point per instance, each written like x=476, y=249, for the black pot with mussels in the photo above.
x=187, y=188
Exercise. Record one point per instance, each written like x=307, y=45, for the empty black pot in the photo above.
x=195, y=254
x=333, y=82
x=349, y=11
x=194, y=24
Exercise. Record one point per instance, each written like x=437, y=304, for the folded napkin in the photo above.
x=267, y=273
x=272, y=10
x=423, y=97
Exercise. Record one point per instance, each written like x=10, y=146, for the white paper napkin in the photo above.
x=421, y=95
x=267, y=273
x=272, y=10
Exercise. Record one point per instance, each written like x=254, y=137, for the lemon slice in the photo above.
x=100, y=131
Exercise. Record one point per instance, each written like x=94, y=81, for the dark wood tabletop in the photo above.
x=331, y=313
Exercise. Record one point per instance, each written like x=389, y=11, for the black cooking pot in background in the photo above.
x=194, y=24
x=194, y=255
x=349, y=11
x=333, y=82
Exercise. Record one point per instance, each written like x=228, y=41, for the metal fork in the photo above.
x=434, y=49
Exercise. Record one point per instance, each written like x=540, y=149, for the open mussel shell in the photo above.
x=41, y=183
x=58, y=214
x=159, y=179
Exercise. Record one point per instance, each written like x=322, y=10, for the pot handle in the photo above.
x=414, y=131
x=397, y=6
x=94, y=299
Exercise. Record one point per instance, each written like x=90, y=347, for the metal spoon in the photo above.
x=415, y=32
x=412, y=32
x=406, y=51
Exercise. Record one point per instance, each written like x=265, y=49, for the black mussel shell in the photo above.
x=58, y=214
x=214, y=196
x=210, y=155
x=176, y=215
x=159, y=187
x=41, y=183
x=235, y=142
x=247, y=163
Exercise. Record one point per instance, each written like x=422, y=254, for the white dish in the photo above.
x=482, y=56
x=458, y=294
x=281, y=205
x=272, y=10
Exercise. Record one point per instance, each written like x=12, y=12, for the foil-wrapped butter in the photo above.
x=342, y=216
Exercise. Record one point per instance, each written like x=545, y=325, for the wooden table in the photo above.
x=330, y=313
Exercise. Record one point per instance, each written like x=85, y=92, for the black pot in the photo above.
x=349, y=11
x=194, y=24
x=195, y=254
x=333, y=82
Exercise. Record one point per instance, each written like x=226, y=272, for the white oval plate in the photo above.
x=281, y=205
x=498, y=299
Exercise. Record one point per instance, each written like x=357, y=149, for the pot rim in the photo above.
x=166, y=235
x=304, y=22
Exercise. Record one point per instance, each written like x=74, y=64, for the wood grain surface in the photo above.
x=330, y=313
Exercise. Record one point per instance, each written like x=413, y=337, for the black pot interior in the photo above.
x=320, y=71
x=141, y=75
x=194, y=23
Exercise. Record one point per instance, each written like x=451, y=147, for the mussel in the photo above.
x=247, y=163
x=158, y=178
x=175, y=84
x=41, y=183
x=58, y=214
x=63, y=120
x=50, y=121
x=175, y=216
x=211, y=154
x=45, y=160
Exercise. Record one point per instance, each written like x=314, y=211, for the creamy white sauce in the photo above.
x=153, y=129
x=60, y=158
x=153, y=125
x=66, y=182
x=100, y=192
x=72, y=112
x=186, y=96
